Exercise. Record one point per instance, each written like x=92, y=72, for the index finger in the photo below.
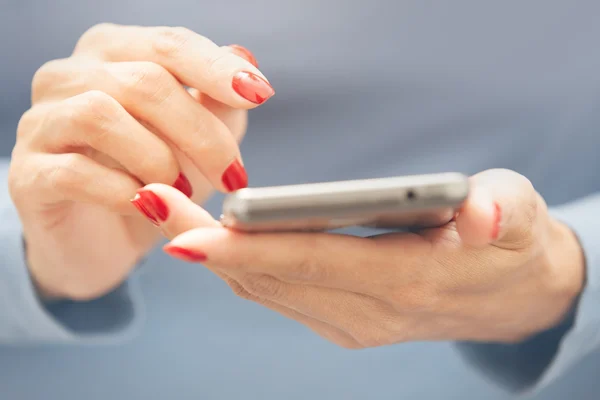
x=193, y=59
x=321, y=259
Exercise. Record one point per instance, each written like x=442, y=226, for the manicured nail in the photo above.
x=235, y=176
x=246, y=54
x=497, y=218
x=252, y=87
x=151, y=206
x=184, y=254
x=183, y=185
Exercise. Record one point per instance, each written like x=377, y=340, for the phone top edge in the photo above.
x=354, y=186
x=445, y=190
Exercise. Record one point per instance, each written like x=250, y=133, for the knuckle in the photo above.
x=370, y=336
x=27, y=123
x=382, y=332
x=338, y=338
x=94, y=34
x=148, y=80
x=376, y=326
x=94, y=102
x=17, y=186
x=62, y=174
x=93, y=111
x=46, y=76
x=263, y=286
x=238, y=289
x=169, y=41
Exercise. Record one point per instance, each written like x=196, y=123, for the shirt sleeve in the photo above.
x=528, y=367
x=25, y=318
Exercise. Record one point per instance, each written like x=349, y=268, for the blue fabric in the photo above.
x=364, y=89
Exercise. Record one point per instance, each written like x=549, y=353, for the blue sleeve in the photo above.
x=528, y=367
x=24, y=318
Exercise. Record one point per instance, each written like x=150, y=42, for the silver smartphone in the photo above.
x=408, y=202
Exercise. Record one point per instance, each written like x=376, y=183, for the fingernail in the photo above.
x=184, y=254
x=235, y=176
x=183, y=185
x=151, y=206
x=497, y=218
x=252, y=87
x=244, y=53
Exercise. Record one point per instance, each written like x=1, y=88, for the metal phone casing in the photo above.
x=417, y=201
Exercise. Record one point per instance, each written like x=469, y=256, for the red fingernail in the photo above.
x=184, y=254
x=252, y=87
x=183, y=185
x=235, y=176
x=244, y=53
x=151, y=206
x=497, y=218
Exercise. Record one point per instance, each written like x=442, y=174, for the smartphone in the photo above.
x=407, y=202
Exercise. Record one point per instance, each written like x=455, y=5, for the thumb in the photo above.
x=171, y=210
x=501, y=208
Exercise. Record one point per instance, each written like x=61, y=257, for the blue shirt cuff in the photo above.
x=25, y=318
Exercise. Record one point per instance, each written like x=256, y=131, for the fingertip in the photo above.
x=171, y=209
x=476, y=221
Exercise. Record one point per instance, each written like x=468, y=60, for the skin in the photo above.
x=95, y=117
x=502, y=271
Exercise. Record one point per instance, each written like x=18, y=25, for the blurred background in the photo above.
x=496, y=89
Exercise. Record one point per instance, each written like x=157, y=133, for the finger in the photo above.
x=321, y=328
x=243, y=52
x=152, y=95
x=234, y=118
x=501, y=209
x=193, y=59
x=336, y=261
x=360, y=317
x=182, y=215
x=171, y=210
x=77, y=178
x=97, y=121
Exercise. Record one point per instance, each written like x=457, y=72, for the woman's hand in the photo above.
x=502, y=271
x=110, y=119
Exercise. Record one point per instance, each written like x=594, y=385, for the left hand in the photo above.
x=502, y=271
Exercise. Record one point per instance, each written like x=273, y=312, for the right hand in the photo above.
x=110, y=119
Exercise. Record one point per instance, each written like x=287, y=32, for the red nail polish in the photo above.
x=235, y=176
x=183, y=185
x=246, y=54
x=137, y=204
x=184, y=254
x=152, y=206
x=252, y=87
x=497, y=218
